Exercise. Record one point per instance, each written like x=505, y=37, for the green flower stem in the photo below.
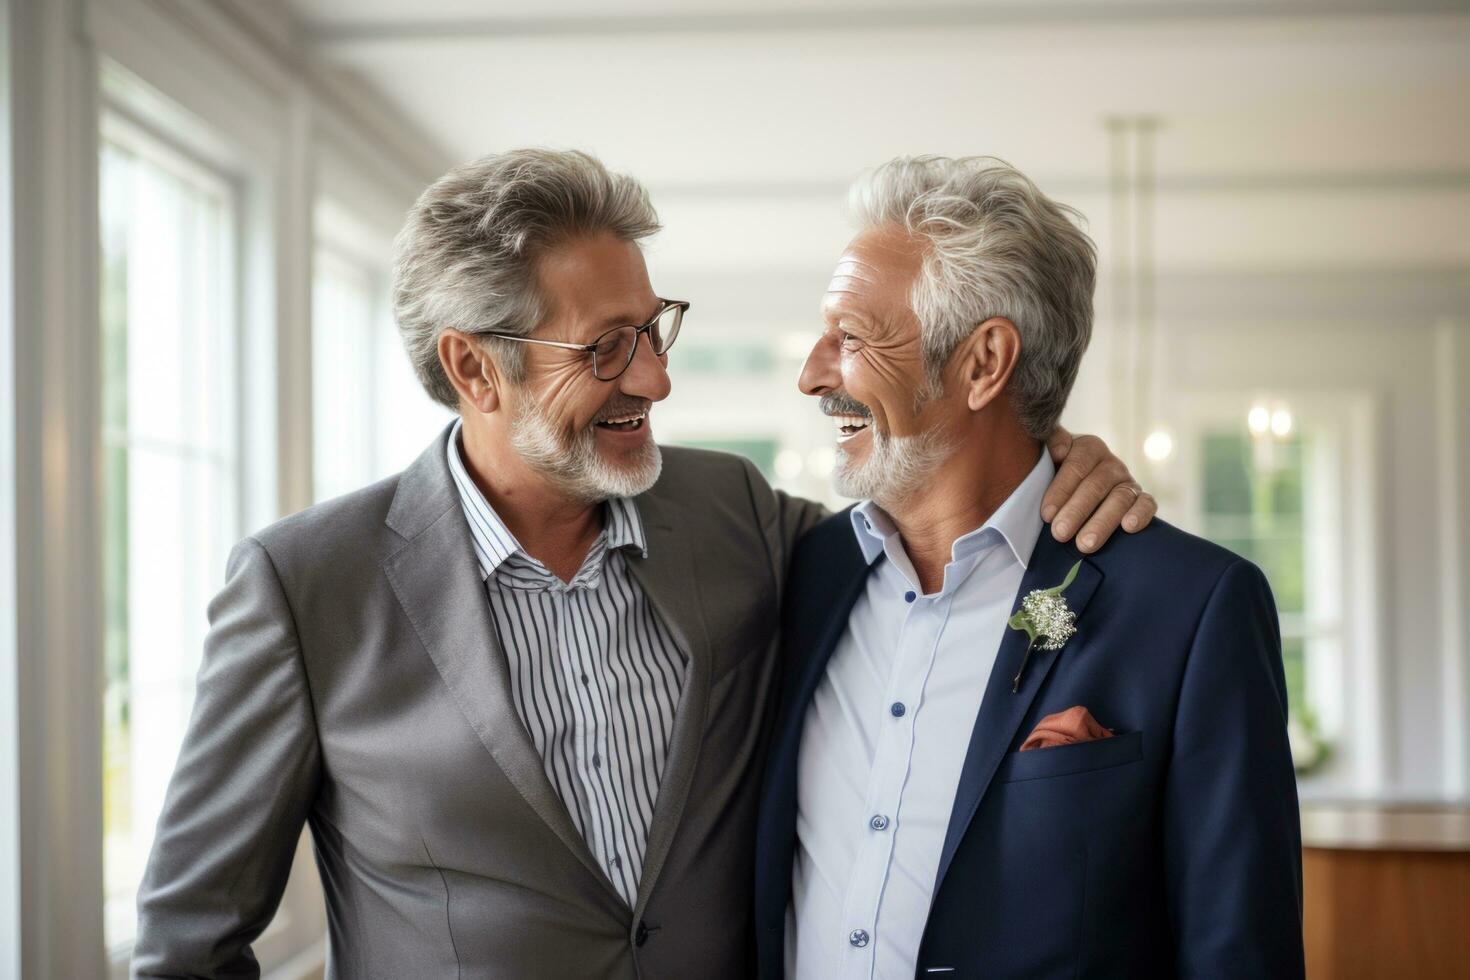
x=1016, y=681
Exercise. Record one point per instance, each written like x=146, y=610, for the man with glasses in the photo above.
x=520, y=692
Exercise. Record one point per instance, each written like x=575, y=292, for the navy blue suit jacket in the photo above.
x=1171, y=849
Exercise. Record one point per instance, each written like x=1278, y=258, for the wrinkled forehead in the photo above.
x=599, y=282
x=874, y=274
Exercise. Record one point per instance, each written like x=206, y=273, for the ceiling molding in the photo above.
x=349, y=33
x=267, y=44
x=1367, y=182
x=1185, y=298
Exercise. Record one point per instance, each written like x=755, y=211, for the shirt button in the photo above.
x=879, y=822
x=584, y=679
x=858, y=938
x=909, y=597
x=617, y=862
x=898, y=709
x=597, y=762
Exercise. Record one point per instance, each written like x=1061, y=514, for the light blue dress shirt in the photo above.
x=885, y=738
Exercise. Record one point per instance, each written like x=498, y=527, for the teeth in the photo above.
x=850, y=421
x=630, y=418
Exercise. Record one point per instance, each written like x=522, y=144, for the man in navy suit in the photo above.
x=996, y=756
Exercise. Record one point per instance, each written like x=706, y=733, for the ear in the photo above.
x=474, y=374
x=988, y=359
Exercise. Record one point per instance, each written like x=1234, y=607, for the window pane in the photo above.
x=170, y=473
x=1253, y=506
x=345, y=320
x=1294, y=660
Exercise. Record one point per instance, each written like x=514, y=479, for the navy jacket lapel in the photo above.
x=832, y=595
x=1001, y=709
x=826, y=578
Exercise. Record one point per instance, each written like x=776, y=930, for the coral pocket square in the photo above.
x=1076, y=724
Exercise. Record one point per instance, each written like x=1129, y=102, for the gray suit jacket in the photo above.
x=352, y=681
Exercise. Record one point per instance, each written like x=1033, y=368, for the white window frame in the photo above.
x=299, y=921
x=358, y=211
x=10, y=757
x=119, y=126
x=365, y=247
x=53, y=149
x=1352, y=421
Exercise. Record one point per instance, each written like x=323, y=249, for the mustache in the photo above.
x=621, y=406
x=841, y=403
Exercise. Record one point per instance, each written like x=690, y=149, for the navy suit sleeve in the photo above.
x=1232, y=830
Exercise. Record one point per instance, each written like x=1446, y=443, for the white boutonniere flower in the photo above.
x=1046, y=620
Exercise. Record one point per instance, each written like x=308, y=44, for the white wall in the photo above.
x=237, y=93
x=10, y=780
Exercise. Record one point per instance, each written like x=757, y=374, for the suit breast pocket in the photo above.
x=1068, y=760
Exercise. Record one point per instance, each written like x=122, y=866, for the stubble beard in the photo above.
x=896, y=467
x=574, y=465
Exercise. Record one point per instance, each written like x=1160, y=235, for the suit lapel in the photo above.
x=670, y=579
x=1001, y=710
x=436, y=578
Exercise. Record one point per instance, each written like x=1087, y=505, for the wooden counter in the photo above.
x=1387, y=892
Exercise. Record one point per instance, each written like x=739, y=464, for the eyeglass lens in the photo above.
x=614, y=350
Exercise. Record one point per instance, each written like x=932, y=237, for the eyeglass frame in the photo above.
x=681, y=304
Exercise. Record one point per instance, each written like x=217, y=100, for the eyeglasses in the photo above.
x=613, y=351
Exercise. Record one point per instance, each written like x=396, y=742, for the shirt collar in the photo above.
x=622, y=527
x=1017, y=521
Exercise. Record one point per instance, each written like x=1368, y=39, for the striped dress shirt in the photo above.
x=594, y=673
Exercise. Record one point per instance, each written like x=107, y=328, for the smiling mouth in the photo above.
x=627, y=423
x=850, y=425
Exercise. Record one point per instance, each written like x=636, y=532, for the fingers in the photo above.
x=1094, y=490
x=1108, y=517
x=1081, y=458
x=1141, y=514
x=1059, y=444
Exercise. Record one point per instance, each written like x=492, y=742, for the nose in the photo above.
x=820, y=373
x=647, y=377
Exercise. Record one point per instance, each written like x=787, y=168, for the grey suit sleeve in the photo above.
x=783, y=517
x=245, y=780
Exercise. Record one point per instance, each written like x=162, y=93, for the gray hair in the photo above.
x=466, y=257
x=994, y=245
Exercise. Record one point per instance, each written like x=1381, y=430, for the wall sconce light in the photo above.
x=1270, y=420
x=1159, y=446
x=1259, y=420
x=1281, y=423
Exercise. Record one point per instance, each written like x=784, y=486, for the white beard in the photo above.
x=575, y=465
x=896, y=467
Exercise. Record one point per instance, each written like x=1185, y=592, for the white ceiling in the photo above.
x=354, y=14
x=782, y=103
x=1286, y=139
